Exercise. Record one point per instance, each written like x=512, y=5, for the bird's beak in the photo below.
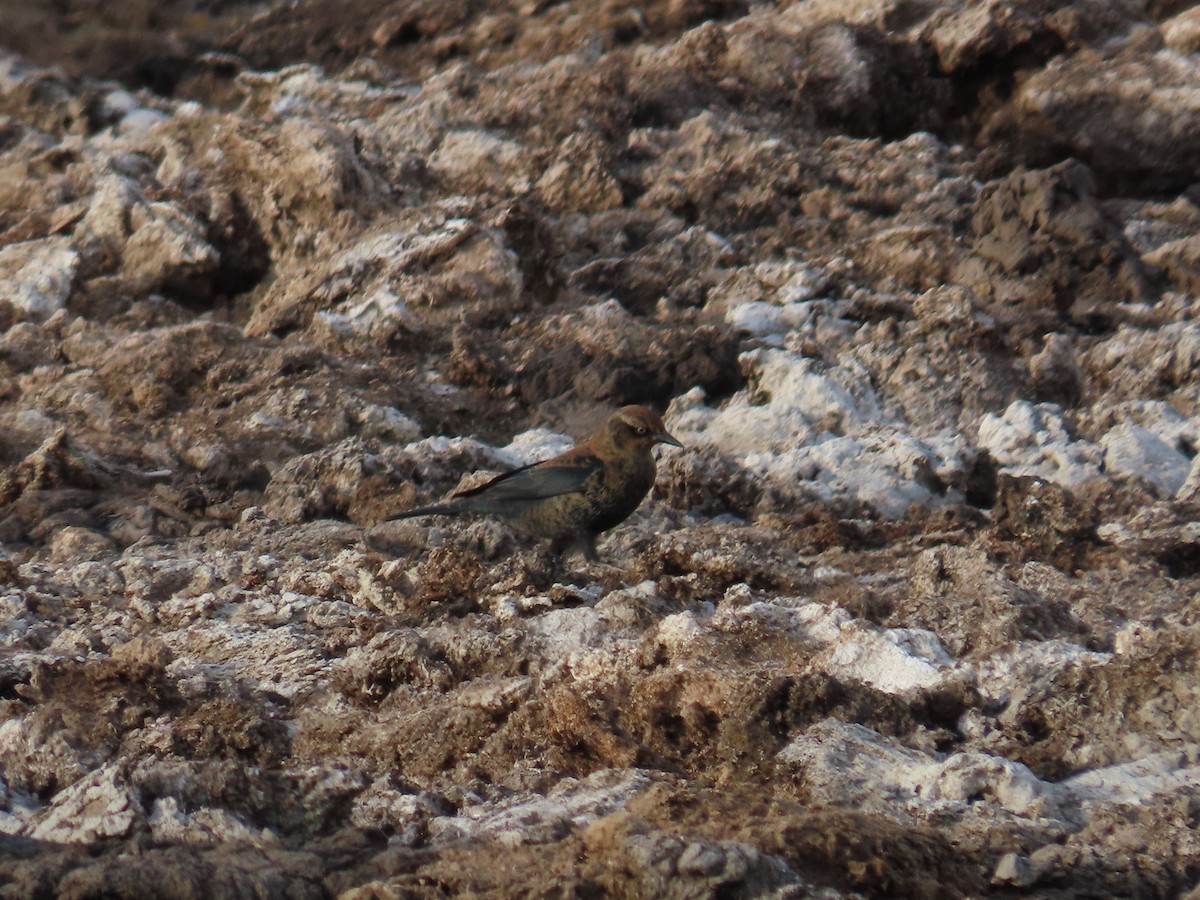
x=663, y=438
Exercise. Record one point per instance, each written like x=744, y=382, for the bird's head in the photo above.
x=637, y=428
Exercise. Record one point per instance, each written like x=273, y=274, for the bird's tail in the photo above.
x=438, y=509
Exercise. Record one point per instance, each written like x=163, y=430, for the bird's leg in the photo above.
x=587, y=544
x=552, y=558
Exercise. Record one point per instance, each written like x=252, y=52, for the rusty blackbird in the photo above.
x=573, y=498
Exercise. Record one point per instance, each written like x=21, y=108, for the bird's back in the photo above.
x=611, y=490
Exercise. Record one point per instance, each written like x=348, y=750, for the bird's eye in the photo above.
x=640, y=430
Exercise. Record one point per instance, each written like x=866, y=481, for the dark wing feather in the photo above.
x=562, y=475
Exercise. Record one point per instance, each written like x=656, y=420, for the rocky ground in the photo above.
x=917, y=611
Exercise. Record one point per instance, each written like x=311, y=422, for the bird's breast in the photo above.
x=623, y=487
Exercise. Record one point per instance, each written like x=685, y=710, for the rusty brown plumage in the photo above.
x=573, y=498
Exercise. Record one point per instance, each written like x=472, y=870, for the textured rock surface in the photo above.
x=917, y=611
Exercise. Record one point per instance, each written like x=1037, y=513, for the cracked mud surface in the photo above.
x=917, y=611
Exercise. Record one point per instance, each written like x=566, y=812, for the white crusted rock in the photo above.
x=99, y=806
x=37, y=276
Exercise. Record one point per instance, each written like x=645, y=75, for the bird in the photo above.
x=573, y=498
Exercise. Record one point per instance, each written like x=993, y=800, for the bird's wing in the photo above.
x=537, y=481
